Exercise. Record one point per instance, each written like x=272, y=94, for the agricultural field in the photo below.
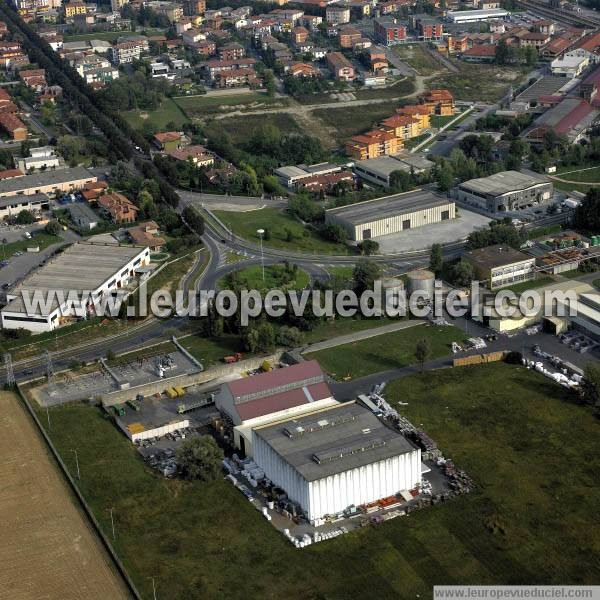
x=276, y=222
x=517, y=434
x=167, y=113
x=51, y=550
x=385, y=352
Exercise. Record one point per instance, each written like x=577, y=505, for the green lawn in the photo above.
x=385, y=352
x=200, y=106
x=403, y=87
x=210, y=352
x=571, y=187
x=519, y=288
x=167, y=112
x=43, y=240
x=246, y=224
x=241, y=129
x=275, y=278
x=532, y=454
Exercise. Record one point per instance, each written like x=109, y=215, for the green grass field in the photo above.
x=168, y=112
x=519, y=288
x=107, y=36
x=241, y=129
x=403, y=87
x=274, y=279
x=588, y=175
x=385, y=352
x=532, y=454
x=571, y=187
x=43, y=240
x=246, y=224
x=200, y=106
x=352, y=120
x=419, y=59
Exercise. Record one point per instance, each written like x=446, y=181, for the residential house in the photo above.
x=118, y=208
x=232, y=51
x=168, y=140
x=348, y=37
x=13, y=126
x=146, y=234
x=337, y=14
x=438, y=102
x=389, y=31
x=196, y=154
x=340, y=66
x=404, y=127
x=480, y=53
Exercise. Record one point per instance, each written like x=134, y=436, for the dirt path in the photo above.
x=48, y=549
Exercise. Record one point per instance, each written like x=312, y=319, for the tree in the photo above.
x=401, y=181
x=436, y=259
x=52, y=228
x=504, y=54
x=25, y=217
x=591, y=383
x=194, y=219
x=364, y=274
x=422, y=352
x=587, y=214
x=445, y=177
x=462, y=273
x=200, y=458
x=368, y=247
x=290, y=337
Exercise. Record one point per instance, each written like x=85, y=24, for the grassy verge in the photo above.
x=589, y=175
x=277, y=222
x=385, y=352
x=532, y=454
x=419, y=59
x=565, y=186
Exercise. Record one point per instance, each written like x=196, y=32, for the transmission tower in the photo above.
x=10, y=375
x=49, y=367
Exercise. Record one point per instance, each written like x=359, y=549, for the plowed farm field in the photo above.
x=48, y=549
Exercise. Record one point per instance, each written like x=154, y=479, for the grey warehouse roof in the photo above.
x=80, y=267
x=386, y=165
x=388, y=206
x=503, y=183
x=333, y=441
x=43, y=178
x=496, y=256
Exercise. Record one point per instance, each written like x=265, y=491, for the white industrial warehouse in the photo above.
x=391, y=214
x=332, y=459
x=82, y=267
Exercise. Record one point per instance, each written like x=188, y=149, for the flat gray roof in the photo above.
x=81, y=267
x=388, y=206
x=333, y=441
x=386, y=165
x=545, y=86
x=503, y=183
x=43, y=178
x=496, y=256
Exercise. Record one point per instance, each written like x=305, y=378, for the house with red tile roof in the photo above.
x=13, y=126
x=279, y=394
x=119, y=208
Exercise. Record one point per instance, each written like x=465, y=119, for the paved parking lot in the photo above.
x=423, y=237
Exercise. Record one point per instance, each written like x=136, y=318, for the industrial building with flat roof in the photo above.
x=473, y=16
x=501, y=265
x=47, y=182
x=279, y=394
x=508, y=190
x=329, y=460
x=82, y=268
x=378, y=170
x=391, y=214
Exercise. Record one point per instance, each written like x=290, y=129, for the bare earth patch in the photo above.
x=48, y=549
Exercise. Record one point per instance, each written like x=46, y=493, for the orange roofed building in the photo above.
x=438, y=102
x=404, y=127
x=373, y=144
x=119, y=208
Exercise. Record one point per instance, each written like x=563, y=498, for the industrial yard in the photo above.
x=483, y=537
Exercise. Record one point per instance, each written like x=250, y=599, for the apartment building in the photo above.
x=389, y=31
x=373, y=144
x=340, y=66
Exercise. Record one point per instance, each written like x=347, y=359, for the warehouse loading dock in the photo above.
x=391, y=214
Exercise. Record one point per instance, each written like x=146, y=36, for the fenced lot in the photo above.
x=532, y=453
x=47, y=550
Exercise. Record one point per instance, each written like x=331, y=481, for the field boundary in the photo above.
x=87, y=509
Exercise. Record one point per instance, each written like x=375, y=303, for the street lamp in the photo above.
x=261, y=232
